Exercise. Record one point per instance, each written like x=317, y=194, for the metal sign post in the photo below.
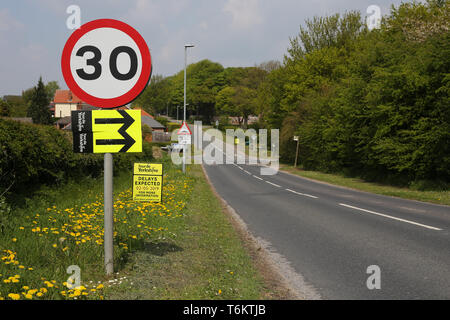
x=108, y=211
x=184, y=141
x=296, y=138
x=94, y=72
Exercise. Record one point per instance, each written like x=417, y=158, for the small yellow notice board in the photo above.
x=147, y=182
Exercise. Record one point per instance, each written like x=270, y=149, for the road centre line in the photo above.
x=247, y=172
x=302, y=194
x=391, y=217
x=258, y=178
x=273, y=184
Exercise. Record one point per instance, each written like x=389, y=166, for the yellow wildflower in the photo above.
x=14, y=296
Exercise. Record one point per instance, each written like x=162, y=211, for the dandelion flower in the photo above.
x=14, y=296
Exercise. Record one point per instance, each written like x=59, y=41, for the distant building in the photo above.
x=64, y=102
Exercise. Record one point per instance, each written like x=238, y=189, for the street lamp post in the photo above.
x=184, y=118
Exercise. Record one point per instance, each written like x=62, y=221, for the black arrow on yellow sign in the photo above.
x=127, y=140
x=102, y=131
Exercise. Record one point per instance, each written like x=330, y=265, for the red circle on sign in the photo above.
x=134, y=92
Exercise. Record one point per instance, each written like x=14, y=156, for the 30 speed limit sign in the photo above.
x=106, y=63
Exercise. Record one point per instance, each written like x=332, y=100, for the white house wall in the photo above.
x=64, y=109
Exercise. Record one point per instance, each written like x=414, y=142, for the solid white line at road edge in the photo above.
x=390, y=217
x=302, y=194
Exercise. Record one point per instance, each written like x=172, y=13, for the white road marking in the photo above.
x=273, y=184
x=247, y=172
x=258, y=178
x=302, y=194
x=390, y=217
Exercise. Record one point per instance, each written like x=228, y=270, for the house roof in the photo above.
x=145, y=113
x=65, y=96
x=64, y=120
x=152, y=123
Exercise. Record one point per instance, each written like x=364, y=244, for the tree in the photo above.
x=5, y=108
x=204, y=80
x=323, y=32
x=237, y=101
x=156, y=95
x=39, y=109
x=51, y=88
x=18, y=107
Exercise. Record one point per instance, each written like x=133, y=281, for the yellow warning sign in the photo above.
x=148, y=168
x=147, y=182
x=107, y=131
x=147, y=188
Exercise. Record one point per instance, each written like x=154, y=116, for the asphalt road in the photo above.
x=331, y=235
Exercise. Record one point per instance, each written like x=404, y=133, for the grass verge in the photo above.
x=438, y=197
x=203, y=259
x=183, y=248
x=62, y=227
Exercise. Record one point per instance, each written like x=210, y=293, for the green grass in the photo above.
x=183, y=248
x=439, y=197
x=60, y=227
x=204, y=260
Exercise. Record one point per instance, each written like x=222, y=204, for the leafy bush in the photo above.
x=162, y=120
x=172, y=126
x=33, y=155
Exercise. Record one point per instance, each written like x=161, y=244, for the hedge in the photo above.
x=32, y=155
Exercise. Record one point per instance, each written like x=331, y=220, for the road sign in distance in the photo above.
x=106, y=63
x=184, y=139
x=184, y=129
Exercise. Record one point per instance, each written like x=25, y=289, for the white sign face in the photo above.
x=106, y=63
x=295, y=138
x=184, y=139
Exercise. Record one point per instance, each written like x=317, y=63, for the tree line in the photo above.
x=373, y=103
x=211, y=90
x=368, y=103
x=34, y=103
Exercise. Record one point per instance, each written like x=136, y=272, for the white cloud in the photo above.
x=245, y=13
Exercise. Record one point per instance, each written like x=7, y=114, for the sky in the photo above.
x=234, y=33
